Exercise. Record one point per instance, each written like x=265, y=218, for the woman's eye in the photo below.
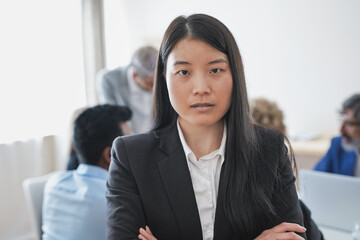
x=183, y=72
x=216, y=70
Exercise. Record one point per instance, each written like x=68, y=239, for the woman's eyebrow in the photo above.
x=181, y=63
x=220, y=60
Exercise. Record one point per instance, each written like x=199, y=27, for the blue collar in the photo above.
x=92, y=171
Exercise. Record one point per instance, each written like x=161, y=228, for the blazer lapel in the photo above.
x=177, y=181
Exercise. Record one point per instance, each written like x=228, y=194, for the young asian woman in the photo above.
x=205, y=171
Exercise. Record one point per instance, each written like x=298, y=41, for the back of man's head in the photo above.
x=143, y=61
x=96, y=128
x=352, y=103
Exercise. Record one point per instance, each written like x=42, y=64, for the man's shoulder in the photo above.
x=59, y=179
x=336, y=145
x=115, y=74
x=336, y=140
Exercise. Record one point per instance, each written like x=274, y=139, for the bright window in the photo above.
x=41, y=62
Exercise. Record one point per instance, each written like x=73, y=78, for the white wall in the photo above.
x=305, y=55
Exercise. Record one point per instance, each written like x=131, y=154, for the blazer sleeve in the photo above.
x=285, y=196
x=125, y=213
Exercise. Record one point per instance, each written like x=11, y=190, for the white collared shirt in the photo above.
x=205, y=176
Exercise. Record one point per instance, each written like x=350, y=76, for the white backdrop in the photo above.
x=42, y=70
x=305, y=55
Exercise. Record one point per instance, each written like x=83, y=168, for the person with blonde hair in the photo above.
x=267, y=114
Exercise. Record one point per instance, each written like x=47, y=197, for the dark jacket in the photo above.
x=149, y=183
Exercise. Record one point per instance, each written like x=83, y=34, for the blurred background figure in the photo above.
x=74, y=201
x=343, y=154
x=267, y=114
x=131, y=86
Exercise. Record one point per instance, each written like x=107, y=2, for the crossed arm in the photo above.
x=282, y=231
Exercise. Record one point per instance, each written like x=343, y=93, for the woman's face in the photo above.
x=199, y=83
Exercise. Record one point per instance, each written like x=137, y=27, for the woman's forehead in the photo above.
x=188, y=48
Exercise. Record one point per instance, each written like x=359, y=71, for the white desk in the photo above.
x=335, y=234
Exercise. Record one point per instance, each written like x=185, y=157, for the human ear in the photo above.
x=106, y=155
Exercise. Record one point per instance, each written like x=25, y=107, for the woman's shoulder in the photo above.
x=271, y=143
x=148, y=143
x=268, y=136
x=136, y=140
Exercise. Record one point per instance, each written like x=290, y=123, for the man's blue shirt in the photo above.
x=74, y=204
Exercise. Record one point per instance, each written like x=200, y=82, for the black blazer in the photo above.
x=149, y=183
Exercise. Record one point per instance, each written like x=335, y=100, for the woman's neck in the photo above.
x=202, y=140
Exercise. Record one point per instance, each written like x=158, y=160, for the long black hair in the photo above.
x=244, y=197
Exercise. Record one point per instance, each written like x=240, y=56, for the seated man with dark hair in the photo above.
x=74, y=201
x=344, y=153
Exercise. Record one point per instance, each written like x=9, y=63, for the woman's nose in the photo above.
x=201, y=85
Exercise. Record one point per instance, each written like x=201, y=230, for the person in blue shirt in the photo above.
x=343, y=155
x=74, y=201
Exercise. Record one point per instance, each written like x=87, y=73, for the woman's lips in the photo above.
x=202, y=106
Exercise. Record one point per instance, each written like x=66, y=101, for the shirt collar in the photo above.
x=188, y=151
x=92, y=171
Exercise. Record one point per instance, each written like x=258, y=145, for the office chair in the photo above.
x=34, y=192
